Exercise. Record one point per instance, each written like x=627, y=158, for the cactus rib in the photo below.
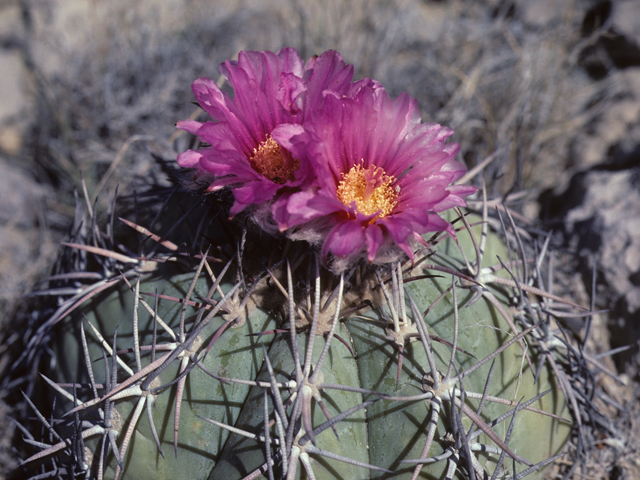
x=288, y=321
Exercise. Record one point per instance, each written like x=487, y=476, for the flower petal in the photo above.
x=374, y=238
x=252, y=193
x=344, y=239
x=302, y=207
x=190, y=126
x=326, y=72
x=189, y=159
x=369, y=132
x=270, y=90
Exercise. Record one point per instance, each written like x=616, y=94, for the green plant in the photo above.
x=337, y=327
x=191, y=315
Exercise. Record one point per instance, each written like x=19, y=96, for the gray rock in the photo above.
x=600, y=214
x=626, y=20
x=24, y=238
x=607, y=223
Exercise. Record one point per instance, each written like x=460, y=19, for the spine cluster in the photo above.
x=341, y=317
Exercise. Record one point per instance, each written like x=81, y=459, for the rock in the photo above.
x=7, y=456
x=542, y=13
x=600, y=210
x=10, y=140
x=24, y=241
x=607, y=223
x=626, y=20
x=615, y=42
x=612, y=137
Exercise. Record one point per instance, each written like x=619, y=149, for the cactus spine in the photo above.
x=189, y=370
x=327, y=331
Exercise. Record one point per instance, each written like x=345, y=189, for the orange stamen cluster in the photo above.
x=371, y=189
x=268, y=160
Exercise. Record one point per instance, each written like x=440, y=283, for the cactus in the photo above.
x=376, y=378
x=219, y=350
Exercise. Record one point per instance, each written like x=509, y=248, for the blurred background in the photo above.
x=548, y=89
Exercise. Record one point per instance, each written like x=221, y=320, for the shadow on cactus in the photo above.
x=356, y=396
x=332, y=329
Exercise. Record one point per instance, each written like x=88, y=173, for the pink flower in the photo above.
x=381, y=176
x=273, y=94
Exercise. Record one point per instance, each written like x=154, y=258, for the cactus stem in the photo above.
x=316, y=304
x=463, y=444
x=437, y=390
x=300, y=436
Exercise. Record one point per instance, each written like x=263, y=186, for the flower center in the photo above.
x=272, y=162
x=370, y=188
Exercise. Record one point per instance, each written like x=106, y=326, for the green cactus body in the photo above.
x=198, y=442
x=382, y=434
x=398, y=433
x=240, y=456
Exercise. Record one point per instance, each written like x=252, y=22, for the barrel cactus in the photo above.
x=351, y=321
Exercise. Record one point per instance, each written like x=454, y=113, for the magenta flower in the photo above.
x=274, y=94
x=381, y=176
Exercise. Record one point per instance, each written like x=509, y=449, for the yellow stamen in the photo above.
x=371, y=189
x=268, y=160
